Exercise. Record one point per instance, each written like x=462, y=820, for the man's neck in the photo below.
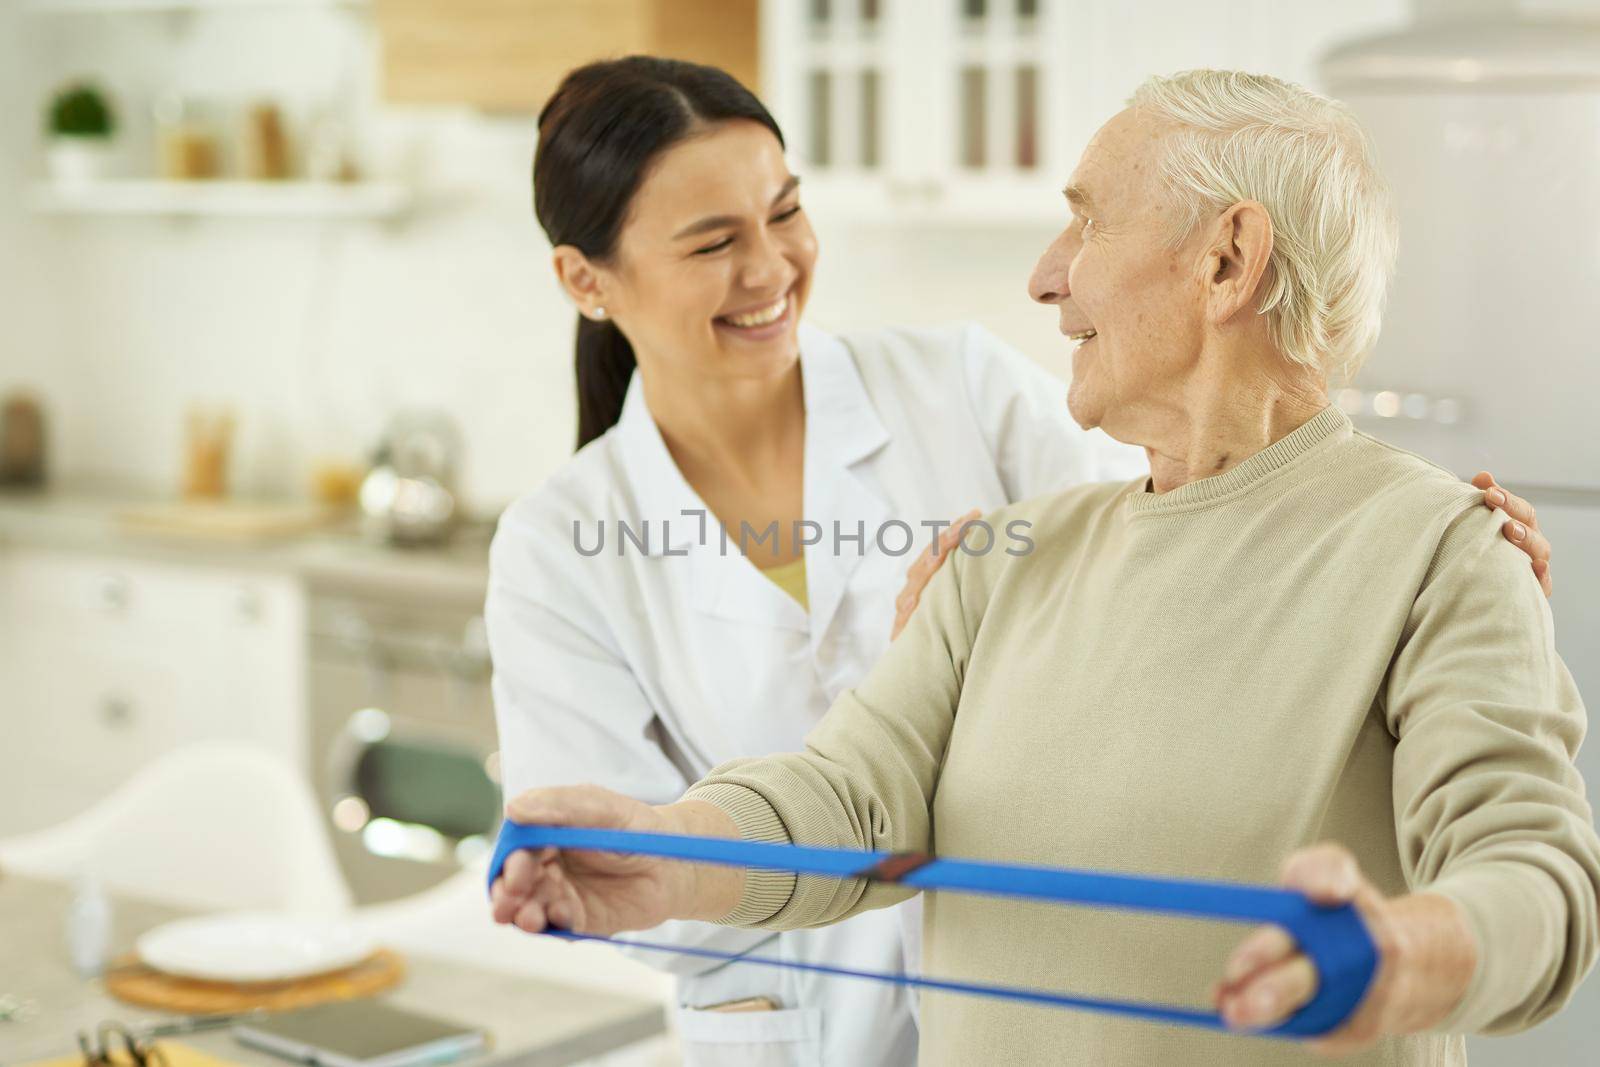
x=1217, y=423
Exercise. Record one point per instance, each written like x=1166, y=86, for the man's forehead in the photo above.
x=1116, y=162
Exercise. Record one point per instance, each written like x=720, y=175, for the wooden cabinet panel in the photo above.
x=509, y=55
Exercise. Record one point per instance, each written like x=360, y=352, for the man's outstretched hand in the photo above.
x=603, y=892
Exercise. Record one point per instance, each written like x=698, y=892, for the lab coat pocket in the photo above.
x=788, y=1038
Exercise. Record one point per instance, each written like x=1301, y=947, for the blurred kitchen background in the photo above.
x=279, y=338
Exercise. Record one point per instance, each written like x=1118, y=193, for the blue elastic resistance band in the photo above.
x=1334, y=938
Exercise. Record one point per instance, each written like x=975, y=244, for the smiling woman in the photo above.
x=583, y=198
x=723, y=292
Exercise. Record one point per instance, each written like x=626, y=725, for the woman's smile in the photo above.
x=761, y=323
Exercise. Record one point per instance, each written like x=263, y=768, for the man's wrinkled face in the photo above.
x=1134, y=304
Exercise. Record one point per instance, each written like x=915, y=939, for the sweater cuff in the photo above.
x=1506, y=905
x=765, y=891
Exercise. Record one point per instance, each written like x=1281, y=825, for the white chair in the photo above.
x=209, y=826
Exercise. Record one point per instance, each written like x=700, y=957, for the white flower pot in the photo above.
x=79, y=160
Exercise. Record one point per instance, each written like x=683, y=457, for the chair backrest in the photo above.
x=211, y=826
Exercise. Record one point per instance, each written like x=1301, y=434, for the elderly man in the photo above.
x=1294, y=652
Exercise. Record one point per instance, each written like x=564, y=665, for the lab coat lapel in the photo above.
x=843, y=430
x=684, y=533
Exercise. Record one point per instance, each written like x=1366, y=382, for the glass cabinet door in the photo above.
x=921, y=104
x=1011, y=84
x=836, y=119
x=998, y=58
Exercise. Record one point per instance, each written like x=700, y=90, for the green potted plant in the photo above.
x=80, y=124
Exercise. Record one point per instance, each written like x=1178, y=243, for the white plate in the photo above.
x=253, y=947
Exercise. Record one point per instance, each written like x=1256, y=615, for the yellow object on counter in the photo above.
x=336, y=482
x=176, y=1056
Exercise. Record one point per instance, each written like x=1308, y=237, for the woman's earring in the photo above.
x=599, y=314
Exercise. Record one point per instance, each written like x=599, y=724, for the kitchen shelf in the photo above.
x=286, y=199
x=78, y=7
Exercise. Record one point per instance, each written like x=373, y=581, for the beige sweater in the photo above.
x=1331, y=641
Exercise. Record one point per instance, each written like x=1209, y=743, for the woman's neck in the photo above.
x=736, y=428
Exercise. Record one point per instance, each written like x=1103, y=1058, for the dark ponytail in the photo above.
x=604, y=365
x=598, y=135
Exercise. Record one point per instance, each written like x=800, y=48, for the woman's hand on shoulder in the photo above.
x=926, y=566
x=1521, y=527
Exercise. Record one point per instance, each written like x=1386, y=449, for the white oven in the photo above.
x=403, y=739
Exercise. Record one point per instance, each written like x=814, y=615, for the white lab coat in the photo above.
x=642, y=670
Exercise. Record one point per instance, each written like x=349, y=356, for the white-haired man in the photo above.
x=1293, y=652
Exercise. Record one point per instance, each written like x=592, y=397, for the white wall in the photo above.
x=29, y=343
x=317, y=330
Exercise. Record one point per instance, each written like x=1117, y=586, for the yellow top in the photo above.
x=791, y=578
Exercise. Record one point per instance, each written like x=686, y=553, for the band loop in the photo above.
x=1334, y=938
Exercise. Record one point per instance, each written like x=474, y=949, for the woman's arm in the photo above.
x=865, y=781
x=570, y=710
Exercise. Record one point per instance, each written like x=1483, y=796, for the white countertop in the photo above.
x=336, y=558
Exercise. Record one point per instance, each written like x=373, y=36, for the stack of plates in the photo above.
x=253, y=947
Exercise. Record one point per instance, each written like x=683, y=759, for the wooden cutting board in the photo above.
x=228, y=519
x=134, y=982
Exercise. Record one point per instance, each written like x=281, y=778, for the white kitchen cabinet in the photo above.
x=107, y=662
x=976, y=111
x=900, y=107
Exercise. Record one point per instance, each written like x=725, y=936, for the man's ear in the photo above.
x=1240, y=253
x=580, y=278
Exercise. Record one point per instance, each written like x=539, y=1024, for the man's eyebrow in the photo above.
x=718, y=222
x=1078, y=198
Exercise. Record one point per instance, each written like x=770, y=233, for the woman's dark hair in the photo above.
x=598, y=136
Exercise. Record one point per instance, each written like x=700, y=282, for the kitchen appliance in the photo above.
x=408, y=497
x=1487, y=124
x=403, y=738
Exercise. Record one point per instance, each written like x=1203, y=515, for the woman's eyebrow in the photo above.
x=1078, y=198
x=717, y=222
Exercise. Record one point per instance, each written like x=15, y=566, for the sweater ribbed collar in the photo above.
x=1326, y=427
